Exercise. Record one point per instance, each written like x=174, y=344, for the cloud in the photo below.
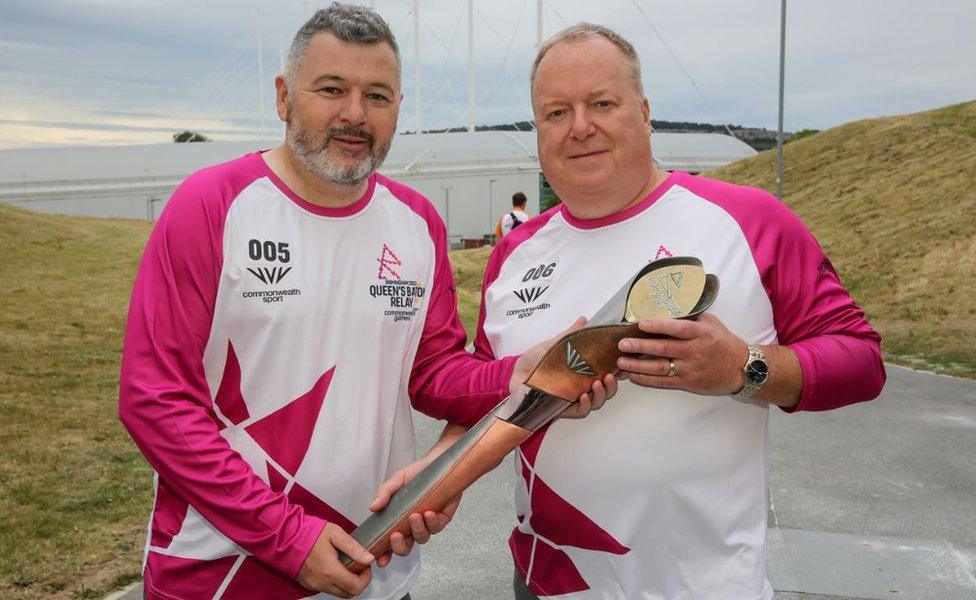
x=86, y=64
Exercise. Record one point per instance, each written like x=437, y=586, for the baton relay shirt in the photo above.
x=271, y=352
x=661, y=494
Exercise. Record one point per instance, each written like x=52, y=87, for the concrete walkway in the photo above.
x=873, y=501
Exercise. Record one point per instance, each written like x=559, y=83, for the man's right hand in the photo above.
x=324, y=572
x=600, y=390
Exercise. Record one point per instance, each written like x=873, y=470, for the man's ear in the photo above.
x=646, y=111
x=281, y=97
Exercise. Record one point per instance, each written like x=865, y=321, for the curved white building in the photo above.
x=470, y=177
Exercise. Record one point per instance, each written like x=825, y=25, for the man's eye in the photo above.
x=604, y=104
x=331, y=91
x=555, y=114
x=377, y=98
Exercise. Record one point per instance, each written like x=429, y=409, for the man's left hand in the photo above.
x=422, y=526
x=707, y=357
x=600, y=391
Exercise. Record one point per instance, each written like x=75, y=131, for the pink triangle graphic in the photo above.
x=255, y=578
x=189, y=577
x=229, y=397
x=530, y=447
x=553, y=572
x=168, y=515
x=312, y=504
x=286, y=433
x=550, y=513
x=387, y=261
x=276, y=481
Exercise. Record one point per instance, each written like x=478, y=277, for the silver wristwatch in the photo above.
x=756, y=370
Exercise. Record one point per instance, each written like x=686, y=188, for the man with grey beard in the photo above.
x=289, y=309
x=314, y=152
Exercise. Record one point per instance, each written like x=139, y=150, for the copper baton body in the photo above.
x=674, y=287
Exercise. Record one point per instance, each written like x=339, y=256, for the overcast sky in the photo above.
x=136, y=71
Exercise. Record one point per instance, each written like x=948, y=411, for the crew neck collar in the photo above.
x=324, y=211
x=623, y=215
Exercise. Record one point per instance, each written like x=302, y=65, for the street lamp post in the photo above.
x=447, y=209
x=491, y=207
x=779, y=134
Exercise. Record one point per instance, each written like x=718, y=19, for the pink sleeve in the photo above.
x=446, y=382
x=839, y=352
x=164, y=399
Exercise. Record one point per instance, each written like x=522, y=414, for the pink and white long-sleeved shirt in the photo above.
x=661, y=494
x=271, y=353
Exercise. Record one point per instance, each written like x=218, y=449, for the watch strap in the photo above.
x=751, y=388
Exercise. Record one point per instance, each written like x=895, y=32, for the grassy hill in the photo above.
x=74, y=491
x=893, y=202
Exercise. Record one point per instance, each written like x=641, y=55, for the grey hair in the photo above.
x=349, y=23
x=586, y=30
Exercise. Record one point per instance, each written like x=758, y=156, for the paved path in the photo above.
x=872, y=501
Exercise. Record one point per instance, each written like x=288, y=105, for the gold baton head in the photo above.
x=674, y=288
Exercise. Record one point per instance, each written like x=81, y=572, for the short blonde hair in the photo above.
x=585, y=30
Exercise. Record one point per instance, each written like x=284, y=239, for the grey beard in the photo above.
x=318, y=159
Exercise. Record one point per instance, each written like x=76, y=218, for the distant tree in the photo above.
x=804, y=133
x=690, y=126
x=189, y=136
x=517, y=126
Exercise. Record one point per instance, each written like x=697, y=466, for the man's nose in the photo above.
x=582, y=125
x=354, y=110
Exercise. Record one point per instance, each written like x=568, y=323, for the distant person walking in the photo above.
x=512, y=219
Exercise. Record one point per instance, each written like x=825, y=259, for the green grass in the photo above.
x=74, y=491
x=469, y=268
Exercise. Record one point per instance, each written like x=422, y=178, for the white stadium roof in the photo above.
x=697, y=152
x=410, y=154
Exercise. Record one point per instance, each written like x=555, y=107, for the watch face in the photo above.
x=757, y=371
